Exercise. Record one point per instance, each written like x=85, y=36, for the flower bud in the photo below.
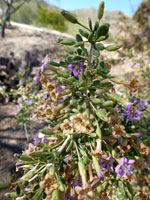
x=117, y=98
x=82, y=172
x=101, y=115
x=97, y=168
x=113, y=47
x=98, y=131
x=71, y=18
x=95, y=100
x=4, y=185
x=86, y=113
x=56, y=195
x=66, y=41
x=107, y=104
x=101, y=10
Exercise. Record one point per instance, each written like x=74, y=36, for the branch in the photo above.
x=15, y=9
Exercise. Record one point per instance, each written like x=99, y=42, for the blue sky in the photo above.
x=126, y=6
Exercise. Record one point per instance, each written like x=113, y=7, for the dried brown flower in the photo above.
x=54, y=95
x=118, y=131
x=49, y=184
x=67, y=128
x=144, y=150
x=124, y=147
x=133, y=85
x=81, y=124
x=82, y=191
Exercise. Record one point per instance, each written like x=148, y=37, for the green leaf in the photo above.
x=130, y=188
x=90, y=23
x=99, y=46
x=78, y=58
x=68, y=50
x=102, y=31
x=83, y=33
x=47, y=132
x=79, y=38
x=95, y=52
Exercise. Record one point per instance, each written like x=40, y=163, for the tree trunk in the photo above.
x=3, y=28
x=4, y=20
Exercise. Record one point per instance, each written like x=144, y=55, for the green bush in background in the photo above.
x=51, y=18
x=27, y=14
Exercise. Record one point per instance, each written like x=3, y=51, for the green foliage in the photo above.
x=52, y=18
x=27, y=14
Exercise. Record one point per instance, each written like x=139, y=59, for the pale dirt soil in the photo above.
x=12, y=137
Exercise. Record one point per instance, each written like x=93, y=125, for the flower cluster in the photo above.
x=85, y=150
x=132, y=112
x=76, y=125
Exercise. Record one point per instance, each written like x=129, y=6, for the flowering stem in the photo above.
x=64, y=145
x=26, y=132
x=77, y=151
x=84, y=26
x=90, y=57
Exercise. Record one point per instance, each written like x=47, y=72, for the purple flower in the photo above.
x=124, y=167
x=6, y=100
x=76, y=183
x=76, y=68
x=15, y=112
x=36, y=140
x=68, y=197
x=44, y=140
x=29, y=102
x=138, y=65
x=20, y=102
x=38, y=95
x=45, y=97
x=137, y=134
x=25, y=148
x=131, y=113
x=100, y=175
x=142, y=103
x=60, y=88
x=36, y=79
x=20, y=82
x=45, y=62
x=107, y=164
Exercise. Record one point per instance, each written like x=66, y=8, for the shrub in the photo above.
x=52, y=18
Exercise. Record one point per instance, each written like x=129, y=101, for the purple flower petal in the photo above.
x=76, y=73
x=36, y=140
x=71, y=67
x=29, y=102
x=6, y=100
x=100, y=175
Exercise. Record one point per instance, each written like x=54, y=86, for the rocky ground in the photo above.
x=19, y=39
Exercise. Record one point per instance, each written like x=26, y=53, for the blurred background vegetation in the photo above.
x=41, y=14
